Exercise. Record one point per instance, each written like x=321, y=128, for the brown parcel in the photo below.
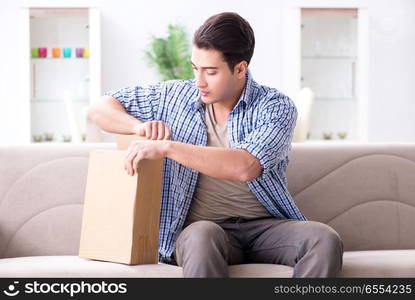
x=121, y=212
x=124, y=140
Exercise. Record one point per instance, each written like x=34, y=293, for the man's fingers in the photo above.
x=135, y=164
x=129, y=161
x=154, y=130
x=148, y=130
x=129, y=164
x=167, y=133
x=129, y=150
x=160, y=129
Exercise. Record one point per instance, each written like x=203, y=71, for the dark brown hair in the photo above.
x=228, y=33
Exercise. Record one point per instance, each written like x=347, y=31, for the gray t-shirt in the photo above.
x=218, y=199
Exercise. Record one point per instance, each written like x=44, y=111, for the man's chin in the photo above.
x=208, y=99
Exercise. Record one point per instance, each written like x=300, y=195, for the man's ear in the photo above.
x=241, y=69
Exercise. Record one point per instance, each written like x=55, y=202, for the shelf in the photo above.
x=52, y=81
x=334, y=99
x=57, y=142
x=334, y=141
x=60, y=58
x=56, y=101
x=328, y=57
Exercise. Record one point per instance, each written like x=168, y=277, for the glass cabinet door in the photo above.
x=59, y=73
x=328, y=64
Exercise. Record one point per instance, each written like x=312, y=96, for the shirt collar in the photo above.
x=245, y=97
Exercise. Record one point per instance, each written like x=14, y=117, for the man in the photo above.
x=225, y=140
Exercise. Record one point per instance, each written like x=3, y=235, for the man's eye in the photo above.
x=212, y=73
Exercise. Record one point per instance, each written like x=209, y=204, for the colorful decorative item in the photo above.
x=35, y=52
x=79, y=52
x=67, y=52
x=56, y=52
x=86, y=52
x=43, y=52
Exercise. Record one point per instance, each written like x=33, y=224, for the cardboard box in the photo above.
x=121, y=212
x=124, y=140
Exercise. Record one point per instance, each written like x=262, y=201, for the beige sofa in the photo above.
x=364, y=191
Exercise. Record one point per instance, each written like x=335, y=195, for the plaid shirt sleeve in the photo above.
x=140, y=102
x=270, y=140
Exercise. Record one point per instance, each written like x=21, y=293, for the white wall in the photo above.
x=123, y=53
x=127, y=26
x=392, y=71
x=10, y=131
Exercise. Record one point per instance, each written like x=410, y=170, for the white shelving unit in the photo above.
x=59, y=90
x=328, y=65
x=348, y=109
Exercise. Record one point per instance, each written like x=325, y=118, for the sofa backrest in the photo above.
x=364, y=191
x=41, y=198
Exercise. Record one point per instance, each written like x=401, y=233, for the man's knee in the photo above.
x=201, y=234
x=323, y=235
x=328, y=240
x=200, y=240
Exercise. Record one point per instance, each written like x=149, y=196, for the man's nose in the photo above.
x=200, y=82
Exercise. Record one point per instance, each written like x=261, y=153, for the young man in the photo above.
x=225, y=140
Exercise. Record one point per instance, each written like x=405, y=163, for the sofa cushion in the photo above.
x=74, y=266
x=378, y=263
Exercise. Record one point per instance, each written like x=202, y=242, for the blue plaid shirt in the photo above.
x=262, y=123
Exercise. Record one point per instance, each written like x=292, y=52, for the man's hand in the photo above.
x=154, y=130
x=139, y=150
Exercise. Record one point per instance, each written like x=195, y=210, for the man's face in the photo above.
x=214, y=79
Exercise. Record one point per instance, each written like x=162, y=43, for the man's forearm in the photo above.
x=222, y=163
x=111, y=116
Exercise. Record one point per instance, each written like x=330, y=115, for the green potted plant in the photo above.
x=171, y=55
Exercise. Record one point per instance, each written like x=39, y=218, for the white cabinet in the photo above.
x=328, y=67
x=61, y=83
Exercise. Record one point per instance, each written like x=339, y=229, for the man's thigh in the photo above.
x=200, y=236
x=280, y=241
